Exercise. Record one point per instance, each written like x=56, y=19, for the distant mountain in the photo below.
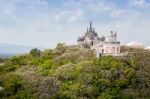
x=12, y=49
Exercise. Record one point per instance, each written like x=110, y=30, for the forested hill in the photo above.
x=70, y=72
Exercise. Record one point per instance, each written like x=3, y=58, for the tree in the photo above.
x=12, y=85
x=48, y=54
x=35, y=52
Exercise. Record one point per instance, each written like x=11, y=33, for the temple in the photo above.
x=103, y=45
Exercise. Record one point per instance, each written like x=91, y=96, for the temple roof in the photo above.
x=91, y=31
x=112, y=34
x=80, y=38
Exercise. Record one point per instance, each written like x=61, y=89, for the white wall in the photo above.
x=111, y=39
x=111, y=48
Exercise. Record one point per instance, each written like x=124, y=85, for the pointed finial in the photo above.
x=115, y=33
x=87, y=30
x=111, y=32
x=90, y=27
x=93, y=29
x=90, y=24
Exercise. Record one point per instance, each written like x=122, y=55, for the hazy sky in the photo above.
x=44, y=23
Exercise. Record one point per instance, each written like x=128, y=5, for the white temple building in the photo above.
x=103, y=45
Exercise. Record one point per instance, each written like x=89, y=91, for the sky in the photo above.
x=44, y=23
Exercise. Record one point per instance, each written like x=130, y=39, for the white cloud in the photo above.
x=139, y=3
x=35, y=22
x=70, y=16
x=99, y=6
x=76, y=16
x=128, y=14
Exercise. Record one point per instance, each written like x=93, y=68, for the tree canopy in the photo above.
x=71, y=72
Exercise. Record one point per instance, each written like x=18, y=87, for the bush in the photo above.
x=65, y=72
x=35, y=53
x=12, y=85
x=107, y=62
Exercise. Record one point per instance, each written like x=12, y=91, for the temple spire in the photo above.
x=90, y=29
x=93, y=29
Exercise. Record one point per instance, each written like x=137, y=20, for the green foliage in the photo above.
x=35, y=53
x=60, y=48
x=107, y=62
x=12, y=85
x=48, y=67
x=65, y=72
x=35, y=61
x=12, y=64
x=48, y=54
x=70, y=72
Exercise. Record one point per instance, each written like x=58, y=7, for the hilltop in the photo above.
x=71, y=72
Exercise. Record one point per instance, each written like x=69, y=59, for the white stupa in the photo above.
x=134, y=44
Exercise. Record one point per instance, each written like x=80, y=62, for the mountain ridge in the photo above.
x=7, y=49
